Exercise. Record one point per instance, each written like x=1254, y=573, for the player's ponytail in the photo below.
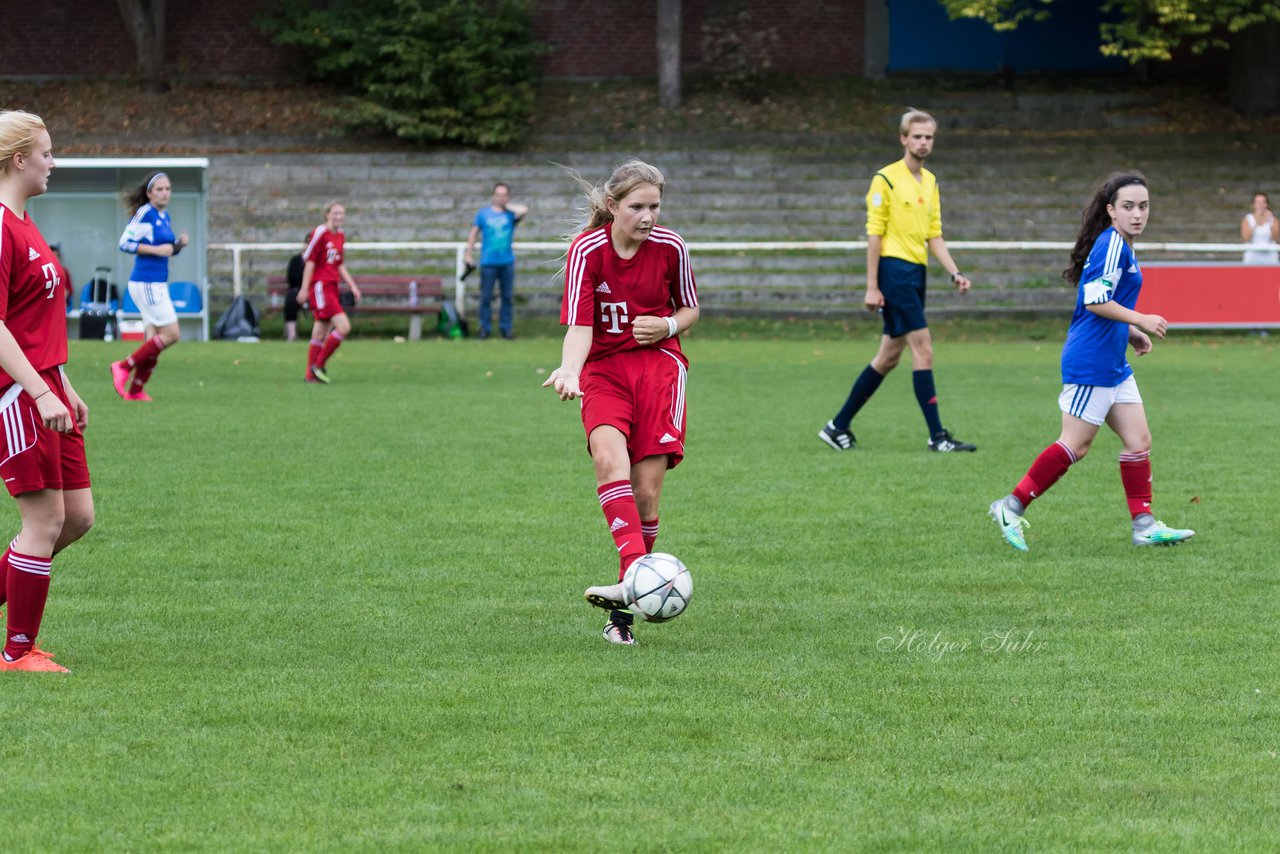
x=17, y=135
x=624, y=179
x=137, y=197
x=621, y=182
x=1096, y=220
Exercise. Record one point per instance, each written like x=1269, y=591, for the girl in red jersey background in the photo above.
x=42, y=458
x=324, y=269
x=629, y=293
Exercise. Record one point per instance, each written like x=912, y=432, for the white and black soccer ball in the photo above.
x=658, y=586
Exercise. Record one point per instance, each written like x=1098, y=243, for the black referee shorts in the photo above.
x=902, y=284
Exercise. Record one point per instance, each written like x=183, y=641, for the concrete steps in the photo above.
x=996, y=186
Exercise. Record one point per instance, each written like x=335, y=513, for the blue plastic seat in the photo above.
x=186, y=297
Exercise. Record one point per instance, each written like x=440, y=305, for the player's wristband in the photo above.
x=41, y=394
x=672, y=327
x=955, y=276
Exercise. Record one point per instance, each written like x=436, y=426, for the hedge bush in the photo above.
x=430, y=71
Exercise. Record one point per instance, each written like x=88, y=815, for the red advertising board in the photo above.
x=1212, y=295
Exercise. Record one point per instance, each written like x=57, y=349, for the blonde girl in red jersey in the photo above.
x=42, y=458
x=323, y=269
x=629, y=293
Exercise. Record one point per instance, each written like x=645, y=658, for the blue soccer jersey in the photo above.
x=151, y=227
x=1095, y=350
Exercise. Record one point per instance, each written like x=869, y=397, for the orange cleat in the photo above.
x=33, y=663
x=139, y=395
x=120, y=378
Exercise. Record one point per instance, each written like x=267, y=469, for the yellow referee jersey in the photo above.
x=904, y=211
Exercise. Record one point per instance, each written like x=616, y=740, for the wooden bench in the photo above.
x=411, y=295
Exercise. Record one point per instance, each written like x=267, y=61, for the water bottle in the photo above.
x=109, y=331
x=413, y=292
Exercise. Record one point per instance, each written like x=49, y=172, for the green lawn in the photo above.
x=349, y=617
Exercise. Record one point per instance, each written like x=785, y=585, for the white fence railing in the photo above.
x=1149, y=251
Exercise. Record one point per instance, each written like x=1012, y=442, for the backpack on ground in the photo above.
x=449, y=323
x=240, y=320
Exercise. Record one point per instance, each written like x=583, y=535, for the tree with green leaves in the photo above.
x=1154, y=29
x=430, y=71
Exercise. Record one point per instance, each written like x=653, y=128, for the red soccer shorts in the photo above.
x=324, y=300
x=33, y=457
x=640, y=392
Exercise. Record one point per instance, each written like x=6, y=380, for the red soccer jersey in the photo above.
x=32, y=293
x=607, y=292
x=325, y=248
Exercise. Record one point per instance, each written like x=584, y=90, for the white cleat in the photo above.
x=1010, y=524
x=608, y=596
x=1160, y=534
x=619, y=631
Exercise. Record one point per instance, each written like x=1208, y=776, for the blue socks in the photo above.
x=865, y=386
x=927, y=397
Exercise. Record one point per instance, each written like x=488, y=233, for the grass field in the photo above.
x=349, y=617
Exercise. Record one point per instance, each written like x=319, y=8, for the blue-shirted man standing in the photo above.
x=495, y=226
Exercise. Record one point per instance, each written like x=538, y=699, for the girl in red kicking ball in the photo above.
x=629, y=293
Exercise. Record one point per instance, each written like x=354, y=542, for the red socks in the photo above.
x=650, y=532
x=313, y=353
x=143, y=362
x=141, y=374
x=330, y=344
x=148, y=352
x=1048, y=468
x=28, y=587
x=620, y=514
x=1135, y=474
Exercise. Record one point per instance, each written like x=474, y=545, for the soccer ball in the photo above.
x=658, y=586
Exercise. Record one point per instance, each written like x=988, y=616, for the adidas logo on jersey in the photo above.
x=616, y=524
x=667, y=438
x=603, y=288
x=32, y=254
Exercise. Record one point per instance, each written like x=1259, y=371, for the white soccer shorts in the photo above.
x=154, y=304
x=1092, y=402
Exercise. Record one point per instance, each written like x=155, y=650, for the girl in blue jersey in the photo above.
x=149, y=235
x=1098, y=384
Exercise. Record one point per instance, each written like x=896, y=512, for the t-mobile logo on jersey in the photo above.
x=613, y=314
x=51, y=279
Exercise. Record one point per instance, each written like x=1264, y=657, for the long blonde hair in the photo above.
x=624, y=179
x=17, y=135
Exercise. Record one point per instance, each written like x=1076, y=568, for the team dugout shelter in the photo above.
x=83, y=211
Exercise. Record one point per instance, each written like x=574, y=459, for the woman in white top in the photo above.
x=1259, y=229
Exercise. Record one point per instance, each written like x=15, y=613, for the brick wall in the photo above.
x=205, y=39
x=616, y=38
x=216, y=39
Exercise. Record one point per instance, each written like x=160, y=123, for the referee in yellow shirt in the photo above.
x=904, y=223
